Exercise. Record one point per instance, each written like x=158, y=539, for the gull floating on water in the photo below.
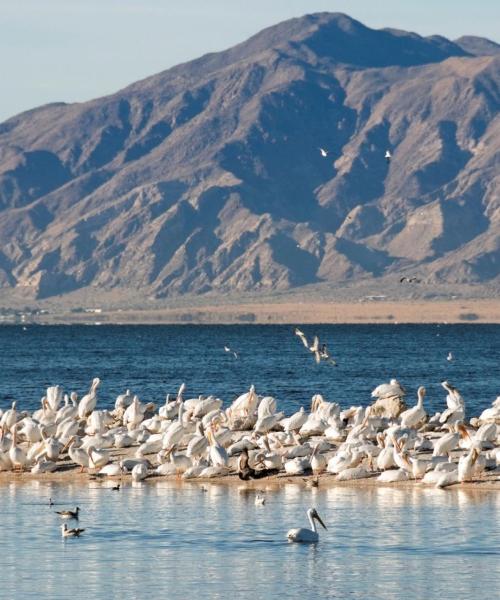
x=69, y=514
x=323, y=152
x=303, y=535
x=70, y=532
x=388, y=156
x=449, y=357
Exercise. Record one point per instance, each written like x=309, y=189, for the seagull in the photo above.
x=388, y=156
x=227, y=349
x=69, y=514
x=260, y=500
x=319, y=353
x=325, y=355
x=302, y=337
x=324, y=153
x=70, y=532
x=449, y=357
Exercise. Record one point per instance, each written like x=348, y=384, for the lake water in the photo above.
x=154, y=360
x=169, y=540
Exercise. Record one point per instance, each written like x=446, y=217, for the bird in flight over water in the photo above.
x=228, y=349
x=324, y=153
x=319, y=353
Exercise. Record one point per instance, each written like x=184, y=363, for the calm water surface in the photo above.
x=154, y=540
x=165, y=540
x=154, y=360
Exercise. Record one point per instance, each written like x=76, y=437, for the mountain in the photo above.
x=207, y=178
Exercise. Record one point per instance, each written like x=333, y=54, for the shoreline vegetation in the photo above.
x=366, y=312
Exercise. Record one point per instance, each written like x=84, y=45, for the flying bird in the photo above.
x=228, y=349
x=323, y=152
x=320, y=353
x=388, y=156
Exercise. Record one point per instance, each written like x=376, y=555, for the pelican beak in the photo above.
x=316, y=516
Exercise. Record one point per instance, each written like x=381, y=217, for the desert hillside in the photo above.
x=207, y=179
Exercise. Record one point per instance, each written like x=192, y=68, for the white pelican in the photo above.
x=266, y=423
x=456, y=405
x=393, y=475
x=389, y=390
x=16, y=453
x=111, y=470
x=353, y=473
x=295, y=422
x=447, y=479
x=297, y=466
x=174, y=433
x=266, y=408
x=415, y=415
x=492, y=413
x=318, y=461
x=385, y=459
x=303, y=535
x=197, y=444
x=124, y=400
x=444, y=445
x=139, y=472
x=42, y=465
x=206, y=406
x=78, y=455
x=244, y=405
x=218, y=454
x=70, y=532
x=54, y=397
x=170, y=409
x=466, y=465
x=9, y=417
x=89, y=401
x=98, y=458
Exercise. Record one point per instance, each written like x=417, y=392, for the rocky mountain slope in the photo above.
x=207, y=178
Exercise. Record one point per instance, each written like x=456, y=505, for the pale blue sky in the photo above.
x=75, y=50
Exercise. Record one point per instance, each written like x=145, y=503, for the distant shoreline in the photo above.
x=366, y=312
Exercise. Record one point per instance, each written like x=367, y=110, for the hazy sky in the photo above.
x=75, y=50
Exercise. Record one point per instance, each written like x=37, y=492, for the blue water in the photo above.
x=170, y=540
x=154, y=360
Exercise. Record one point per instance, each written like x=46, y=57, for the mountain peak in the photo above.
x=263, y=168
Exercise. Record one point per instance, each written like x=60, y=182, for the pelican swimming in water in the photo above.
x=303, y=535
x=70, y=532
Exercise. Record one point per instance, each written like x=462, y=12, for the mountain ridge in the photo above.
x=208, y=179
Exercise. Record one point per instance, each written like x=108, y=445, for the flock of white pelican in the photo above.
x=198, y=438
